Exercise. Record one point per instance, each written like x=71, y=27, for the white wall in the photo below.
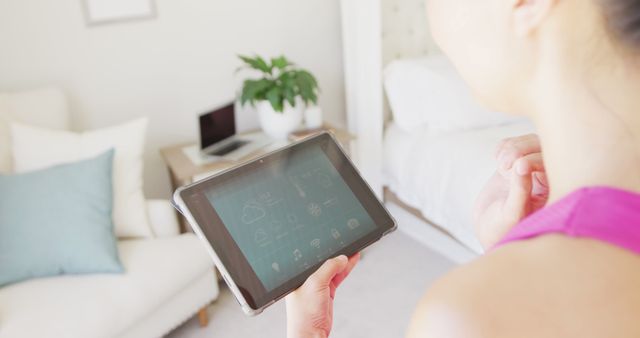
x=171, y=68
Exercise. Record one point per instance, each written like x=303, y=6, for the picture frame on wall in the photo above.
x=99, y=12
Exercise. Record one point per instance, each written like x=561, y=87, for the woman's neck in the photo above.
x=590, y=130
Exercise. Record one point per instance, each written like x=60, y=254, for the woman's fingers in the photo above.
x=514, y=148
x=517, y=202
x=325, y=274
x=340, y=277
x=529, y=164
x=524, y=142
x=513, y=142
x=337, y=280
x=500, y=146
x=541, y=179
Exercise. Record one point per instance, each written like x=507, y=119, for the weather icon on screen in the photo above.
x=252, y=213
x=314, y=209
x=260, y=237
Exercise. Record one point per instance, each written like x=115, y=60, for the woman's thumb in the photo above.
x=328, y=270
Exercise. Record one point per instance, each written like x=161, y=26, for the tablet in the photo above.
x=270, y=223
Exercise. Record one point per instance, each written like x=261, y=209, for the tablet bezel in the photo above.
x=254, y=301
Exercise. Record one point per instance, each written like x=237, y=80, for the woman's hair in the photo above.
x=623, y=17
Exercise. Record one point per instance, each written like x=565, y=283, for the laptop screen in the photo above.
x=217, y=125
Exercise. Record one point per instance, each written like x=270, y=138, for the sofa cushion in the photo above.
x=58, y=221
x=36, y=148
x=104, y=305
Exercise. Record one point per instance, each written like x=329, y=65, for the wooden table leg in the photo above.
x=203, y=317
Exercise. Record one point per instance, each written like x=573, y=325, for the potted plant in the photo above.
x=280, y=95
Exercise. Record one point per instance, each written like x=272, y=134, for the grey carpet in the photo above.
x=377, y=300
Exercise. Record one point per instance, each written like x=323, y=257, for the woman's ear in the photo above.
x=528, y=15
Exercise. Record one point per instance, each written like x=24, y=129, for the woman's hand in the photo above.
x=310, y=308
x=518, y=188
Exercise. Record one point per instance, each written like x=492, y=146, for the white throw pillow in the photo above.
x=36, y=148
x=428, y=92
x=46, y=107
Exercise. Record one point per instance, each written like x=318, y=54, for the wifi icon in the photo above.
x=315, y=243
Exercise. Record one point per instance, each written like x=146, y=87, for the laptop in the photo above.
x=219, y=136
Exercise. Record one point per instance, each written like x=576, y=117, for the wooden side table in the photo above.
x=182, y=170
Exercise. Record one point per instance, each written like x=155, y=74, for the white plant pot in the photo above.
x=279, y=125
x=313, y=117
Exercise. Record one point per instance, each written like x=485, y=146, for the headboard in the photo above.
x=376, y=32
x=405, y=30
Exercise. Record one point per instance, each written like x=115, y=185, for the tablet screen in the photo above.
x=293, y=215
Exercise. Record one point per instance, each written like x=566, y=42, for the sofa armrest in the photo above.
x=163, y=218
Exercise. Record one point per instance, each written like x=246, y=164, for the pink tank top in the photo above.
x=605, y=214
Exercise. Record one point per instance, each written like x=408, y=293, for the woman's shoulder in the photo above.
x=533, y=288
x=451, y=308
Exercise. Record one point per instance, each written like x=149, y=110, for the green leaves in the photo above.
x=255, y=90
x=308, y=86
x=274, y=95
x=257, y=63
x=281, y=82
x=281, y=62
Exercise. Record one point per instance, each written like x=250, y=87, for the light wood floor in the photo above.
x=376, y=301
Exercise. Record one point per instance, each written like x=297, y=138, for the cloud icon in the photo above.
x=252, y=214
x=260, y=236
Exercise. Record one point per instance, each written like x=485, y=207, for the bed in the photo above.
x=424, y=144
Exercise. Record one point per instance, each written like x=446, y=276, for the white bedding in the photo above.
x=429, y=92
x=441, y=173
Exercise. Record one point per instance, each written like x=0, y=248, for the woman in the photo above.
x=571, y=269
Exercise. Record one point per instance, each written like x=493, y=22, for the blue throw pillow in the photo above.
x=58, y=221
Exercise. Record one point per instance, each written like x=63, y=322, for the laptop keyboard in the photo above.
x=233, y=146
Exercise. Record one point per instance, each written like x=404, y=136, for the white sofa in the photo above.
x=168, y=279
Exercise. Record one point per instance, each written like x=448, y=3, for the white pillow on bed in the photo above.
x=429, y=92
